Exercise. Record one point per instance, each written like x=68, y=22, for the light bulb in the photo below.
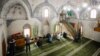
x=85, y=5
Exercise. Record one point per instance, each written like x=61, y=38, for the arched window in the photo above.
x=93, y=13
x=45, y=12
x=27, y=30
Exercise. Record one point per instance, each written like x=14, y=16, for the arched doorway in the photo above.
x=27, y=30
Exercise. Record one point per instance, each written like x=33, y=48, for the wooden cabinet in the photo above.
x=20, y=42
x=97, y=29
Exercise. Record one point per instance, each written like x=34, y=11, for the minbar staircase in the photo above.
x=69, y=27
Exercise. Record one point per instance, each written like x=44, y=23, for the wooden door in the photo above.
x=3, y=47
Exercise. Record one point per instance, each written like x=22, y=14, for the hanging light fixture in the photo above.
x=89, y=8
x=84, y=5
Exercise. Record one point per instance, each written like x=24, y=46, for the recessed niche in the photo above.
x=17, y=11
x=44, y=10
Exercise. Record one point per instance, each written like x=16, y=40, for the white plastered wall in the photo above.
x=17, y=26
x=87, y=29
x=0, y=38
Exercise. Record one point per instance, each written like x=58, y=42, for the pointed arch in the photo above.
x=37, y=13
x=27, y=30
x=9, y=4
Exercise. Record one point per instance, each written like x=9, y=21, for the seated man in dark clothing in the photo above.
x=39, y=42
x=65, y=35
x=77, y=36
x=48, y=36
